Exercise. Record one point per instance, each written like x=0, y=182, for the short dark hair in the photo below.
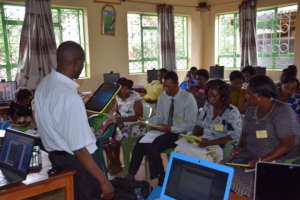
x=193, y=69
x=163, y=70
x=124, y=82
x=69, y=52
x=234, y=75
x=203, y=72
x=263, y=86
x=171, y=76
x=249, y=69
x=293, y=68
x=223, y=89
x=288, y=77
x=23, y=94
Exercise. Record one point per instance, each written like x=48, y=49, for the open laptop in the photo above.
x=15, y=157
x=189, y=178
x=102, y=98
x=277, y=181
x=7, y=92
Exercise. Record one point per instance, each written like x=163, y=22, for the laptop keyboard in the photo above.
x=36, y=160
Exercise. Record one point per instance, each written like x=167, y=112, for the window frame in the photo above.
x=9, y=66
x=275, y=37
x=158, y=59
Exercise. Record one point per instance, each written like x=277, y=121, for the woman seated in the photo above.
x=198, y=91
x=129, y=109
x=189, y=80
x=20, y=111
x=270, y=130
x=218, y=123
x=287, y=91
x=237, y=94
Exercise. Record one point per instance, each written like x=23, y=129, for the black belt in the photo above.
x=60, y=153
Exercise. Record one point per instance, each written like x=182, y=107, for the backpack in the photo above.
x=125, y=189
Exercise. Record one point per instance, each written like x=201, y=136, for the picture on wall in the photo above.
x=108, y=20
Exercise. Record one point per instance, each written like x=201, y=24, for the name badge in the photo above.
x=219, y=127
x=261, y=134
x=177, y=118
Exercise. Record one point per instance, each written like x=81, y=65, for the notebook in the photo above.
x=102, y=98
x=15, y=157
x=189, y=178
x=7, y=92
x=277, y=181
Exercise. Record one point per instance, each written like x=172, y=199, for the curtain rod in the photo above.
x=142, y=2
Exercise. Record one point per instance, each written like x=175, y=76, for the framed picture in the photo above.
x=108, y=20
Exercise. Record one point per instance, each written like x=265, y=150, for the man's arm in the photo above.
x=90, y=165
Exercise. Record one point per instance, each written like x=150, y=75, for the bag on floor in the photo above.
x=125, y=190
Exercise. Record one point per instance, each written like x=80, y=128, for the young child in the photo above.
x=20, y=111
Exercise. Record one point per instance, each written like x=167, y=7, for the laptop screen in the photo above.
x=7, y=90
x=192, y=179
x=102, y=97
x=277, y=181
x=16, y=151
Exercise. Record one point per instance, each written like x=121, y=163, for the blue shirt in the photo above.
x=184, y=84
x=295, y=103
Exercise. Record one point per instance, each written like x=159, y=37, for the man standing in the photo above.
x=63, y=125
x=176, y=113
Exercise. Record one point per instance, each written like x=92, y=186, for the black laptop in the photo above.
x=15, y=156
x=277, y=181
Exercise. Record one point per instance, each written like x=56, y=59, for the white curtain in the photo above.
x=37, y=56
x=167, y=36
x=248, y=33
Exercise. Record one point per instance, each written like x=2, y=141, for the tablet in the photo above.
x=192, y=138
x=102, y=98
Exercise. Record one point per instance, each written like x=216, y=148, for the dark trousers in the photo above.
x=86, y=187
x=153, y=151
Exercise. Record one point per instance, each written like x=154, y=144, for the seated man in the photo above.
x=63, y=125
x=176, y=113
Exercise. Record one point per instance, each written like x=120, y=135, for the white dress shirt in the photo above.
x=61, y=116
x=185, y=111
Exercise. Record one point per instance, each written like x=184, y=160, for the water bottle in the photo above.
x=138, y=194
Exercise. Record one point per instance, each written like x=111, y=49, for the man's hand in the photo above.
x=107, y=191
x=87, y=97
x=253, y=162
x=164, y=128
x=236, y=151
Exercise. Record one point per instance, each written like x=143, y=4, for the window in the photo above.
x=143, y=42
x=275, y=38
x=67, y=22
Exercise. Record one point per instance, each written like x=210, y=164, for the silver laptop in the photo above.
x=15, y=156
x=276, y=181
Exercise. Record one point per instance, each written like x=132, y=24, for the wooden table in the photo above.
x=39, y=183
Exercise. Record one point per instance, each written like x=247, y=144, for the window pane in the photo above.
x=3, y=74
x=150, y=21
x=180, y=36
x=226, y=34
x=148, y=65
x=2, y=47
x=57, y=36
x=181, y=64
x=70, y=26
x=134, y=37
x=226, y=61
x=14, y=34
x=265, y=16
x=54, y=15
x=14, y=73
x=12, y=12
x=150, y=38
x=135, y=67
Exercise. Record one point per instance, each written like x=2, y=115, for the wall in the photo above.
x=110, y=53
x=223, y=6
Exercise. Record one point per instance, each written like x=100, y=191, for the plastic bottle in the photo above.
x=138, y=194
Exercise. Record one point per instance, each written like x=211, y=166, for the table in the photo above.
x=39, y=183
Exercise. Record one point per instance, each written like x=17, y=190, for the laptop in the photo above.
x=189, y=178
x=277, y=181
x=102, y=98
x=15, y=157
x=7, y=92
x=111, y=77
x=152, y=75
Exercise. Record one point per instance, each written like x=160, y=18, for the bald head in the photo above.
x=69, y=54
